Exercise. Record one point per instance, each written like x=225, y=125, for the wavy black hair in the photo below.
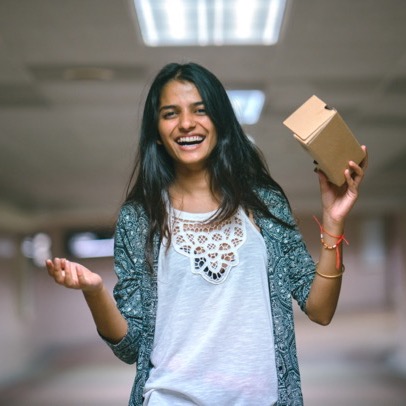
x=236, y=166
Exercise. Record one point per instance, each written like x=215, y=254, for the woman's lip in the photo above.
x=189, y=147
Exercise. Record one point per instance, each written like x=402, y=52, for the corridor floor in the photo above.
x=344, y=364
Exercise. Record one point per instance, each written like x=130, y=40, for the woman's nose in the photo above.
x=186, y=121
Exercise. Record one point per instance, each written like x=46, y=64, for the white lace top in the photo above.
x=212, y=249
x=213, y=342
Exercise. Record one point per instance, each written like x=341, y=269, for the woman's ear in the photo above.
x=158, y=141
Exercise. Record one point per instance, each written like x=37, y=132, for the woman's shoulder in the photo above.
x=267, y=191
x=276, y=202
x=271, y=196
x=131, y=213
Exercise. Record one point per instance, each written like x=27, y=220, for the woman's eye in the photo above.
x=201, y=111
x=168, y=114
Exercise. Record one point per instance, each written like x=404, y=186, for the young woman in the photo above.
x=208, y=257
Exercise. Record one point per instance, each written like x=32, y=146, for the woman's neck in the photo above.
x=191, y=192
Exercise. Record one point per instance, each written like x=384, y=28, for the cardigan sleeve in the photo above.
x=291, y=254
x=129, y=263
x=300, y=265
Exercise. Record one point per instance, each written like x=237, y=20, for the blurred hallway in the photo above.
x=343, y=364
x=349, y=362
x=73, y=77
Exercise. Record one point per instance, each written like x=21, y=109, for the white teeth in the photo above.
x=194, y=138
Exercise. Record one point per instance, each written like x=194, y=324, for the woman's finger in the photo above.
x=358, y=172
x=354, y=176
x=69, y=277
x=50, y=267
x=57, y=264
x=81, y=276
x=59, y=274
x=364, y=163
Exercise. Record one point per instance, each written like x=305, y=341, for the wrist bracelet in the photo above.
x=336, y=246
x=332, y=276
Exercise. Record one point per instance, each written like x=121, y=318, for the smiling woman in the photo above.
x=186, y=131
x=208, y=258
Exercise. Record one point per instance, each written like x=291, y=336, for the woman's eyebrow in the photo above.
x=168, y=107
x=174, y=106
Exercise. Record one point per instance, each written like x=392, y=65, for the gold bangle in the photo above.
x=332, y=276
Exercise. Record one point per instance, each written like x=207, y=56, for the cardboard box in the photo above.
x=325, y=135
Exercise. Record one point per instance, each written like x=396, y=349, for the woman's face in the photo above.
x=186, y=131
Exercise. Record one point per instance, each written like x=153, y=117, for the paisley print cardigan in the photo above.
x=290, y=274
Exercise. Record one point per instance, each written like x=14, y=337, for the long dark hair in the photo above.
x=236, y=166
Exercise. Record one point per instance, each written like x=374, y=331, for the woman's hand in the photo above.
x=73, y=275
x=337, y=201
x=109, y=321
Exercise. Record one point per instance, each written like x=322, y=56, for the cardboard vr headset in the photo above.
x=324, y=134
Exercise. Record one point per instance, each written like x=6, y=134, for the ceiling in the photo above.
x=67, y=145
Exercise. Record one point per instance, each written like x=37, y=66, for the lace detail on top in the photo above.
x=212, y=248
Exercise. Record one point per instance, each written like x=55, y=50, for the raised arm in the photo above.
x=109, y=321
x=337, y=202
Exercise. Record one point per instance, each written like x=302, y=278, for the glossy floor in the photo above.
x=346, y=363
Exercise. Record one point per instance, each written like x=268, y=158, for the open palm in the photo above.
x=73, y=275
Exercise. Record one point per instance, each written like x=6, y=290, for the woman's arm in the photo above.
x=337, y=202
x=108, y=319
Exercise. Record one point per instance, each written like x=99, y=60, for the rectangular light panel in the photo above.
x=209, y=22
x=247, y=104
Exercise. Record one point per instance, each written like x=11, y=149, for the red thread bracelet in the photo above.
x=336, y=246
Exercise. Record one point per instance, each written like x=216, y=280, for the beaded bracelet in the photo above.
x=336, y=246
x=329, y=247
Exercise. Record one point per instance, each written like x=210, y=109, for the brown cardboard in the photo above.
x=324, y=134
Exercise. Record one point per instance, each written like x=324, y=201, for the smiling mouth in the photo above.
x=192, y=140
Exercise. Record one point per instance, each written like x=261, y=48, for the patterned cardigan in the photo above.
x=290, y=274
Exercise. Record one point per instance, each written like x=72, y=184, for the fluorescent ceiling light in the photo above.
x=247, y=104
x=210, y=22
x=89, y=245
x=38, y=248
